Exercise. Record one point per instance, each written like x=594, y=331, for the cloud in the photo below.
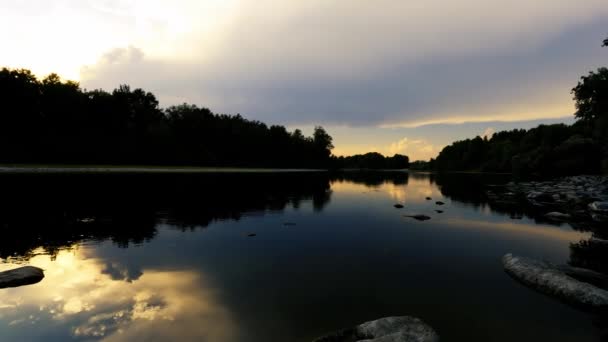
x=488, y=133
x=382, y=63
x=415, y=149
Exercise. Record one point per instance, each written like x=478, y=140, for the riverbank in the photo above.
x=569, y=199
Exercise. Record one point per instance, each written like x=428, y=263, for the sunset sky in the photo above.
x=392, y=76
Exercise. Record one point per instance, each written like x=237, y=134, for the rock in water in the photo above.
x=398, y=206
x=597, y=206
x=439, y=203
x=550, y=280
x=557, y=216
x=388, y=329
x=418, y=217
x=428, y=198
x=26, y=275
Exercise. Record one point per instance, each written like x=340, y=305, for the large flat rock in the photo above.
x=553, y=281
x=388, y=329
x=26, y=275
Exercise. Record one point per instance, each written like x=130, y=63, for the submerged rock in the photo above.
x=398, y=206
x=26, y=275
x=439, y=211
x=557, y=216
x=418, y=217
x=439, y=203
x=251, y=234
x=388, y=329
x=553, y=281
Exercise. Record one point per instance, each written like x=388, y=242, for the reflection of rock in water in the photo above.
x=580, y=287
x=418, y=217
x=558, y=282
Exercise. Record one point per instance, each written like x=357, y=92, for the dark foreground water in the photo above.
x=170, y=258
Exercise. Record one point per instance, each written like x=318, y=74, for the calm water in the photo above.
x=168, y=258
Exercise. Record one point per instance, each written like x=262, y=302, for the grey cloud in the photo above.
x=381, y=62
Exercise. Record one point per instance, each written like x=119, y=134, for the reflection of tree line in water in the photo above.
x=56, y=211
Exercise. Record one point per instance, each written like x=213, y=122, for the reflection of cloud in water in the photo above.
x=120, y=272
x=415, y=191
x=79, y=292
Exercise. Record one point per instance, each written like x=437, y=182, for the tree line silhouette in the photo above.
x=56, y=122
x=51, y=121
x=547, y=149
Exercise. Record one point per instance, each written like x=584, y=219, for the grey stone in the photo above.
x=549, y=279
x=388, y=329
x=26, y=275
x=557, y=216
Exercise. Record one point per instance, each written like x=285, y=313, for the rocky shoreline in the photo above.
x=567, y=199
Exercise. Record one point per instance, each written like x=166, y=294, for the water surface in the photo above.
x=272, y=257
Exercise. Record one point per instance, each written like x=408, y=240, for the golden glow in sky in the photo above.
x=63, y=36
x=382, y=65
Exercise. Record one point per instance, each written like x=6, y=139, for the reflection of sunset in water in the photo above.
x=232, y=260
x=94, y=299
x=524, y=230
x=415, y=191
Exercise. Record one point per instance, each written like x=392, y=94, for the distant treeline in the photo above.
x=51, y=121
x=371, y=160
x=547, y=149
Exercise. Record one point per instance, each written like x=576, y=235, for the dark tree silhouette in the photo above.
x=50, y=121
x=546, y=149
x=591, y=95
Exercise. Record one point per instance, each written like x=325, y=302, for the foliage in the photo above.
x=546, y=149
x=50, y=121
